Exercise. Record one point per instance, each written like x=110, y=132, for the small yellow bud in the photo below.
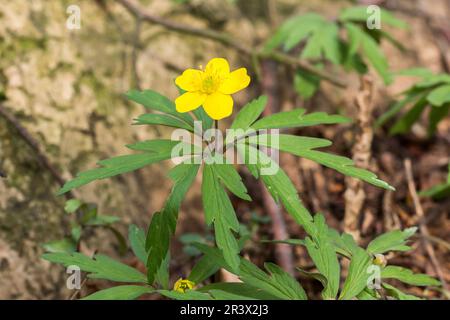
x=183, y=284
x=380, y=260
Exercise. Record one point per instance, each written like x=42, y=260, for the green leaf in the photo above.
x=405, y=123
x=162, y=275
x=278, y=283
x=367, y=294
x=203, y=269
x=297, y=118
x=323, y=253
x=344, y=244
x=391, y=241
x=154, y=101
x=280, y=186
x=303, y=147
x=407, y=276
x=136, y=236
x=436, y=115
x=440, y=191
x=72, y=205
x=398, y=106
x=357, y=277
x=206, y=267
x=249, y=113
x=99, y=267
x=231, y=179
x=219, y=210
x=439, y=96
x=66, y=245
x=129, y=292
x=433, y=80
x=396, y=293
x=114, y=166
x=163, y=224
x=306, y=84
x=162, y=119
x=361, y=14
x=201, y=115
x=293, y=31
x=236, y=291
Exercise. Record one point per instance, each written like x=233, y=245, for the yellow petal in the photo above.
x=190, y=80
x=237, y=80
x=189, y=101
x=218, y=67
x=218, y=105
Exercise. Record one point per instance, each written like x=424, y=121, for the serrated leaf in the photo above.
x=153, y=100
x=304, y=26
x=297, y=118
x=344, y=244
x=162, y=119
x=297, y=146
x=136, y=236
x=112, y=167
x=407, y=276
x=231, y=179
x=280, y=187
x=99, y=267
x=323, y=253
x=120, y=293
x=357, y=276
x=249, y=113
x=361, y=14
x=391, y=241
x=219, y=210
x=278, y=283
x=163, y=224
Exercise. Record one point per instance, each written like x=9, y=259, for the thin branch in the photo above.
x=228, y=41
x=34, y=145
x=422, y=227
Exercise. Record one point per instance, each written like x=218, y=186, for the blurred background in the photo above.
x=62, y=109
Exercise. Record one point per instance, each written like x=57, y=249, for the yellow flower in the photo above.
x=182, y=285
x=211, y=88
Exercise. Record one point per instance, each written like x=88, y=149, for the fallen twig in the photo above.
x=229, y=41
x=422, y=226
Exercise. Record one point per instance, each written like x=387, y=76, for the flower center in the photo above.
x=210, y=83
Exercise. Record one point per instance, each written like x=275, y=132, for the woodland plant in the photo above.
x=254, y=139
